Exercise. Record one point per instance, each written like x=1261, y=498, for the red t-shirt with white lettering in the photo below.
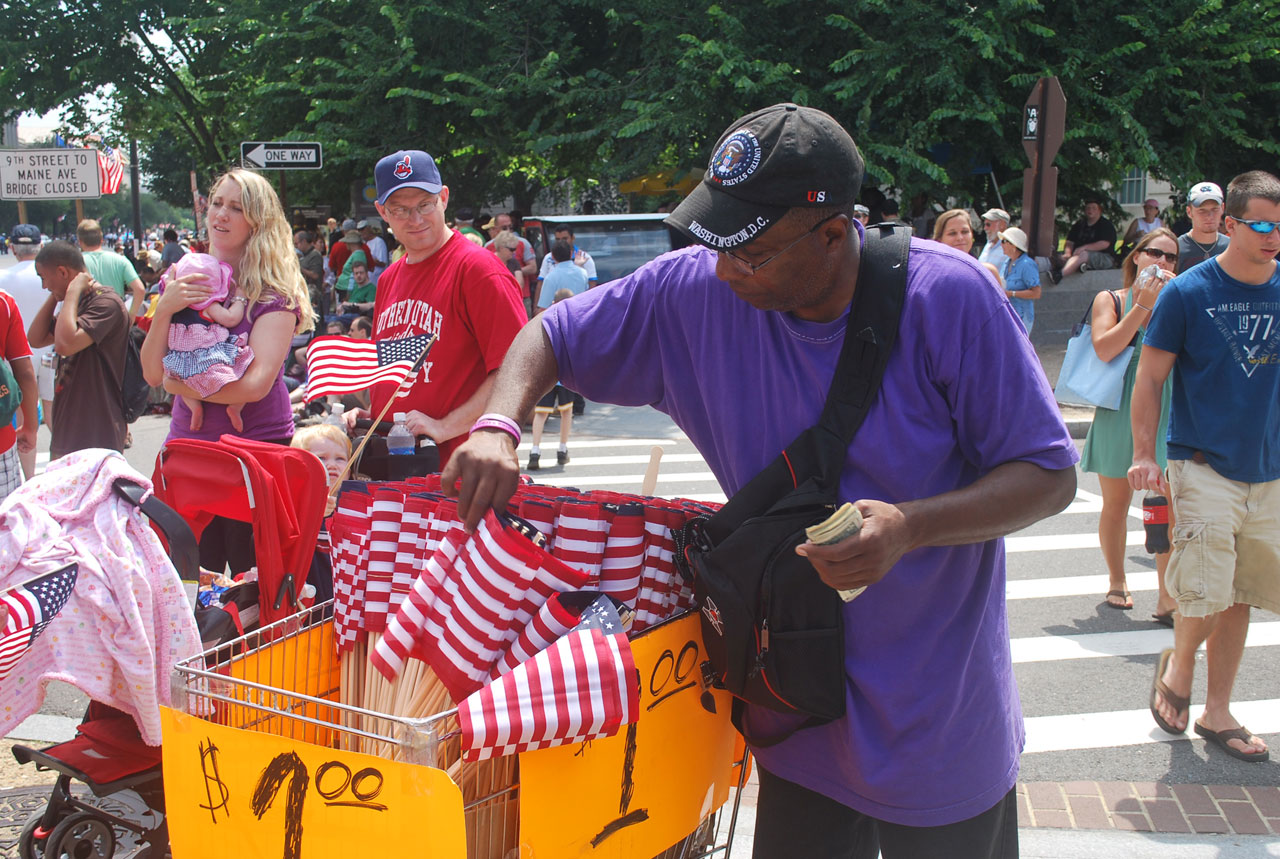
x=466, y=297
x=13, y=345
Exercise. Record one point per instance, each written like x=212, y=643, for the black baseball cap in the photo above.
x=25, y=234
x=766, y=163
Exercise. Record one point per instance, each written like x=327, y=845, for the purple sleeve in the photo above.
x=999, y=398
x=608, y=341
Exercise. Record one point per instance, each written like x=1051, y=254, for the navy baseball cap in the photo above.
x=408, y=168
x=25, y=234
x=765, y=164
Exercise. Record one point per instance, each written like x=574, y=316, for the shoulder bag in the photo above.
x=1085, y=379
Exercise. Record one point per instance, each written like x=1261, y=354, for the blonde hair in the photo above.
x=306, y=436
x=269, y=264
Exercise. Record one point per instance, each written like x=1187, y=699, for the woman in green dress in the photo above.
x=1108, y=449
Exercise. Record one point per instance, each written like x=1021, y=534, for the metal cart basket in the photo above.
x=262, y=759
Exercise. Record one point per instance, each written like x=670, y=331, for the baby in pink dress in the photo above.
x=203, y=353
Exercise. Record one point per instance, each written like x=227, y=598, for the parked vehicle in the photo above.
x=619, y=244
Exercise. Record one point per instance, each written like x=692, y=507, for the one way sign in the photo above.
x=281, y=155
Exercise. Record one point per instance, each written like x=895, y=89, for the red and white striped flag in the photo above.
x=110, y=169
x=28, y=608
x=343, y=365
x=583, y=686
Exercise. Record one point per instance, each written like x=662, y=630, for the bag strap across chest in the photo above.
x=819, y=452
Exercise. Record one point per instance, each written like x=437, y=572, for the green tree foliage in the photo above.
x=514, y=98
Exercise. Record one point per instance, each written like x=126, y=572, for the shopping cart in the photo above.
x=261, y=757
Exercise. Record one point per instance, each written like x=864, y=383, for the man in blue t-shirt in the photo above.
x=1217, y=328
x=737, y=338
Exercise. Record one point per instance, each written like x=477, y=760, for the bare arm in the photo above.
x=68, y=337
x=486, y=465
x=1011, y=496
x=40, y=331
x=24, y=373
x=1111, y=335
x=139, y=300
x=227, y=316
x=176, y=296
x=269, y=339
x=1154, y=367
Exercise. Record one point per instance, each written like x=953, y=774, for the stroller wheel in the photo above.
x=83, y=835
x=29, y=846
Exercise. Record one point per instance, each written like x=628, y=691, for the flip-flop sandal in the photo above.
x=1219, y=739
x=1182, y=704
x=1163, y=618
x=1124, y=595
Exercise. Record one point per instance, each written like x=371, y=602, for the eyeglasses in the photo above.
x=1260, y=227
x=404, y=213
x=753, y=267
x=1171, y=256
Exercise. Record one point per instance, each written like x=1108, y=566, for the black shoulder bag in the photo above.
x=774, y=632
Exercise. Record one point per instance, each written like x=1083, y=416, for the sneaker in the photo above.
x=1056, y=275
x=533, y=462
x=562, y=456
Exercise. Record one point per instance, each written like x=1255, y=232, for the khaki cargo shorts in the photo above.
x=1226, y=541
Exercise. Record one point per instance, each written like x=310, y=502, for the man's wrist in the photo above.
x=498, y=423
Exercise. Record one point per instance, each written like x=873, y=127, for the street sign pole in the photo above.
x=1043, y=127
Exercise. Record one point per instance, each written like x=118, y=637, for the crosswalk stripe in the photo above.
x=1140, y=642
x=1057, y=542
x=629, y=459
x=1074, y=586
x=1133, y=727
x=604, y=442
x=628, y=480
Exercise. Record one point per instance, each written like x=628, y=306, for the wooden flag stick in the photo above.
x=651, y=473
x=355, y=457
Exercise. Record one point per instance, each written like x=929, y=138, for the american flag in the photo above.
x=110, y=169
x=582, y=686
x=342, y=365
x=29, y=607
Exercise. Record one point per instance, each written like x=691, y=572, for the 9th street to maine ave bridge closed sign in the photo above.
x=281, y=155
x=49, y=174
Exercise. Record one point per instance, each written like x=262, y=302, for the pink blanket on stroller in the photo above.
x=127, y=621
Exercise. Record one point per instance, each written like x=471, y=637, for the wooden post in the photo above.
x=22, y=211
x=79, y=211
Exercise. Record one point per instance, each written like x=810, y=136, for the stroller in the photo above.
x=107, y=754
x=279, y=491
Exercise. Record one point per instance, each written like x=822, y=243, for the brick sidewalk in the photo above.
x=1150, y=807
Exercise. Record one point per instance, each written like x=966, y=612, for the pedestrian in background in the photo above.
x=1213, y=328
x=1021, y=276
x=1108, y=448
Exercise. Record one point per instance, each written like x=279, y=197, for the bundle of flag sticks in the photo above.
x=500, y=622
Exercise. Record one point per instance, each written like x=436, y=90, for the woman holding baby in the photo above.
x=222, y=326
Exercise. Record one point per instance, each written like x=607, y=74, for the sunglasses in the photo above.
x=1171, y=256
x=1260, y=227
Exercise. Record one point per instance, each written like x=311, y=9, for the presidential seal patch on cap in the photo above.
x=764, y=164
x=736, y=159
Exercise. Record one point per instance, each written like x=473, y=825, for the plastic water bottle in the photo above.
x=1155, y=520
x=335, y=416
x=399, y=440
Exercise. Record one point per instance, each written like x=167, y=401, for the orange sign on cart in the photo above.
x=642, y=791
x=241, y=793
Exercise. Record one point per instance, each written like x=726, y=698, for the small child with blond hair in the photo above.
x=331, y=446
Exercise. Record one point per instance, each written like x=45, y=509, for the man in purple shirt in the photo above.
x=737, y=339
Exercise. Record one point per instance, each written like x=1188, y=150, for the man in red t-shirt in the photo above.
x=443, y=285
x=15, y=349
